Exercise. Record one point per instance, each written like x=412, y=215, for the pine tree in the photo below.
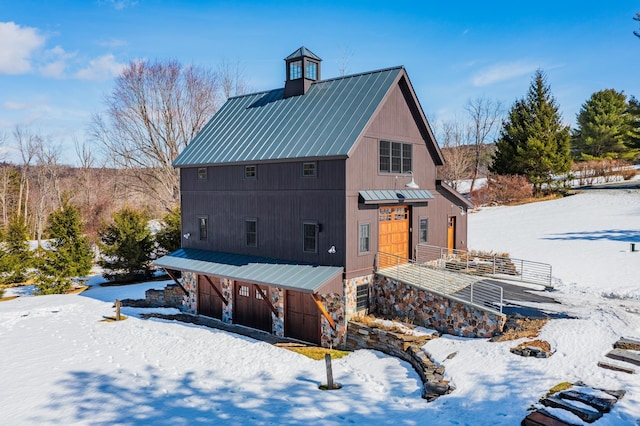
x=533, y=141
x=70, y=253
x=15, y=257
x=126, y=246
x=603, y=125
x=633, y=131
x=169, y=237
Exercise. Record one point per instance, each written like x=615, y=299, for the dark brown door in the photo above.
x=249, y=307
x=209, y=301
x=302, y=320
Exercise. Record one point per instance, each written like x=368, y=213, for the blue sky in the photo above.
x=58, y=59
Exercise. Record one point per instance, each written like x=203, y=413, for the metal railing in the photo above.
x=484, y=264
x=450, y=283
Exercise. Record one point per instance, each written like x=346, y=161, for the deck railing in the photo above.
x=484, y=264
x=450, y=283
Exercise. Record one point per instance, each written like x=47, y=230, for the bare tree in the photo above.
x=456, y=153
x=343, y=64
x=155, y=109
x=47, y=178
x=637, y=18
x=485, y=118
x=27, y=142
x=232, y=79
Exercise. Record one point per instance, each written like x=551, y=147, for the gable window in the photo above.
x=250, y=172
x=203, y=227
x=362, y=297
x=202, y=173
x=363, y=237
x=295, y=70
x=251, y=232
x=312, y=71
x=309, y=169
x=310, y=237
x=424, y=229
x=395, y=157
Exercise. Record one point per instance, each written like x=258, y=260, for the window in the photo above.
x=395, y=157
x=243, y=291
x=251, y=232
x=363, y=237
x=308, y=169
x=424, y=227
x=310, y=237
x=202, y=226
x=312, y=71
x=202, y=173
x=295, y=70
x=362, y=297
x=250, y=172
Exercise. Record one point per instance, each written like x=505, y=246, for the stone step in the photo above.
x=625, y=343
x=616, y=367
x=587, y=415
x=601, y=404
x=624, y=355
x=537, y=418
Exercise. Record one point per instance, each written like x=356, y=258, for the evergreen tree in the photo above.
x=15, y=257
x=603, y=124
x=70, y=254
x=633, y=131
x=126, y=246
x=533, y=141
x=169, y=237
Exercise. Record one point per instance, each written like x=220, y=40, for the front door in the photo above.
x=451, y=233
x=302, y=320
x=393, y=235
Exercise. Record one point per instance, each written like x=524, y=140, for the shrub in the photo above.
x=502, y=189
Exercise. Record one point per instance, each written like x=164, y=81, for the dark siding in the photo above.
x=280, y=198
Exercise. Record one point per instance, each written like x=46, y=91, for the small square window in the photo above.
x=250, y=172
x=363, y=236
x=203, y=227
x=424, y=229
x=310, y=237
x=202, y=173
x=309, y=169
x=251, y=232
x=243, y=291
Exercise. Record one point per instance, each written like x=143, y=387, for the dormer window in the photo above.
x=295, y=70
x=312, y=71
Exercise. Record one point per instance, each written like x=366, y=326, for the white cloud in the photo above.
x=17, y=44
x=120, y=4
x=13, y=106
x=102, y=68
x=55, y=62
x=501, y=72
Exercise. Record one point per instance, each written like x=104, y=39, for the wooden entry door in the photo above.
x=451, y=233
x=302, y=320
x=249, y=307
x=209, y=300
x=393, y=234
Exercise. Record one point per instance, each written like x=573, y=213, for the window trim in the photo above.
x=203, y=236
x=296, y=65
x=368, y=238
x=311, y=66
x=202, y=176
x=402, y=148
x=246, y=232
x=315, y=236
x=247, y=171
x=360, y=296
x=426, y=230
x=315, y=168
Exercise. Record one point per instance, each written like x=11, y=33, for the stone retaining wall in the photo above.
x=406, y=347
x=395, y=299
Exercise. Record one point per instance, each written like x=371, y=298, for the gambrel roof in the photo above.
x=325, y=122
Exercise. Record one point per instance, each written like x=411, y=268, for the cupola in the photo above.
x=303, y=68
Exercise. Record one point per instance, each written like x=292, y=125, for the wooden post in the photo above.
x=327, y=359
x=117, y=310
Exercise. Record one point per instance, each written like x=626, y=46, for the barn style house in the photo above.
x=289, y=196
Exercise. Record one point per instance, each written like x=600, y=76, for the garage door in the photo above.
x=302, y=320
x=393, y=233
x=209, y=301
x=249, y=306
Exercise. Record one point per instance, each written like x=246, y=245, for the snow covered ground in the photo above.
x=62, y=365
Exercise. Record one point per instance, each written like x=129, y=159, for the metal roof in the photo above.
x=302, y=51
x=382, y=196
x=279, y=273
x=324, y=122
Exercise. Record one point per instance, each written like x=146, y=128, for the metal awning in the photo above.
x=274, y=272
x=386, y=196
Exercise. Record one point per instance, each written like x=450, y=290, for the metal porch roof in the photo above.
x=279, y=273
x=385, y=196
x=324, y=122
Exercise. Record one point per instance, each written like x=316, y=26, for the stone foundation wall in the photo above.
x=227, y=292
x=406, y=347
x=395, y=299
x=277, y=300
x=351, y=295
x=329, y=337
x=190, y=283
x=171, y=296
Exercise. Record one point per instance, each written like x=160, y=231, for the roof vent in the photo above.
x=302, y=69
